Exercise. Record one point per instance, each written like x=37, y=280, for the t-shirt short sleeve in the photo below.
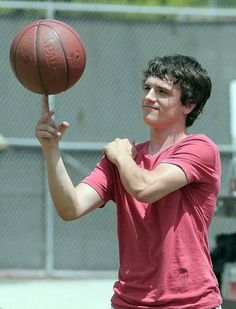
x=101, y=179
x=198, y=158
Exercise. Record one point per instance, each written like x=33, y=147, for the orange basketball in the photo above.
x=47, y=56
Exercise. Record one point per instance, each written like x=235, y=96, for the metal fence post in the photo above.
x=49, y=224
x=49, y=229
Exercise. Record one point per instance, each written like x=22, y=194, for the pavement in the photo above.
x=55, y=294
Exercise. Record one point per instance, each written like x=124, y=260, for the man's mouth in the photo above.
x=150, y=107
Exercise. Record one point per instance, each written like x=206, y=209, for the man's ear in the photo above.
x=188, y=107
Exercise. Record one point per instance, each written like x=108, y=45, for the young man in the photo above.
x=165, y=190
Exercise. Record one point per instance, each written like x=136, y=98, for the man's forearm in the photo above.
x=132, y=176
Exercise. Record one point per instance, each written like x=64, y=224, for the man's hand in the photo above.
x=118, y=149
x=47, y=131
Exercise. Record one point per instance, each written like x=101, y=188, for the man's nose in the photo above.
x=150, y=96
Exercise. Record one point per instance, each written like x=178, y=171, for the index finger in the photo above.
x=45, y=105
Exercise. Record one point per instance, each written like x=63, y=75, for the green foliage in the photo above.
x=176, y=3
x=149, y=2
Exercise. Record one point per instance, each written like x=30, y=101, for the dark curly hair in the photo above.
x=186, y=73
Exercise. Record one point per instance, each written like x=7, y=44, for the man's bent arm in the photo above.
x=70, y=202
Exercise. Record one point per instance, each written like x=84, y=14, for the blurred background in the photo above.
x=120, y=37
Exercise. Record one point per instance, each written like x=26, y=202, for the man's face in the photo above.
x=161, y=104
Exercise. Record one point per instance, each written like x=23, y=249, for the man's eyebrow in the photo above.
x=164, y=88
x=168, y=87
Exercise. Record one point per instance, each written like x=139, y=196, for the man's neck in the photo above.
x=161, y=139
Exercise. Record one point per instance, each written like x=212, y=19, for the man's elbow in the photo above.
x=66, y=218
x=145, y=197
x=68, y=215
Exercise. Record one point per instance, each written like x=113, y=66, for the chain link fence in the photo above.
x=105, y=104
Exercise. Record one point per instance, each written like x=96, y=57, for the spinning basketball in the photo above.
x=47, y=56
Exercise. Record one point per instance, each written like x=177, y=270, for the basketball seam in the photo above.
x=36, y=56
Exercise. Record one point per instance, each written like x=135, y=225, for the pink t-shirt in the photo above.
x=163, y=246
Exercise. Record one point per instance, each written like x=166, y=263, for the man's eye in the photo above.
x=146, y=88
x=163, y=91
